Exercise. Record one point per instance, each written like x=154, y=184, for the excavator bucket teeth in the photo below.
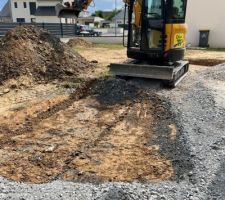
x=171, y=75
x=66, y=12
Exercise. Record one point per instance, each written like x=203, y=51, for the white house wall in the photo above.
x=203, y=15
x=47, y=3
x=47, y=19
x=20, y=11
x=50, y=19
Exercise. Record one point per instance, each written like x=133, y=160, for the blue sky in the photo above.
x=2, y=3
x=107, y=4
x=99, y=4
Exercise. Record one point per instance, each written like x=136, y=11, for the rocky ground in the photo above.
x=107, y=138
x=197, y=106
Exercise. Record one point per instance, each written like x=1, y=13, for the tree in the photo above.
x=108, y=15
x=98, y=13
x=113, y=14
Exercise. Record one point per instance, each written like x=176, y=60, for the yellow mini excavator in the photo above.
x=156, y=38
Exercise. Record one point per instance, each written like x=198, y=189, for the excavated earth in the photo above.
x=90, y=135
x=137, y=141
x=79, y=42
x=27, y=51
x=205, y=57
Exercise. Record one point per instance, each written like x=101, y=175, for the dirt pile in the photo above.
x=33, y=52
x=79, y=42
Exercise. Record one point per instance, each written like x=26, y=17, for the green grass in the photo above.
x=80, y=49
x=208, y=49
x=110, y=46
x=106, y=75
x=102, y=45
x=216, y=49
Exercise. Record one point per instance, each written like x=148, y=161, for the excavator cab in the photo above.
x=157, y=30
x=156, y=41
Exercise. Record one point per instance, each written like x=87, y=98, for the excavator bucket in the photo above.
x=63, y=11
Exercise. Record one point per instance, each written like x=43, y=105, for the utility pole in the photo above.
x=115, y=18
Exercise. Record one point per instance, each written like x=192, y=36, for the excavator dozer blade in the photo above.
x=66, y=12
x=171, y=75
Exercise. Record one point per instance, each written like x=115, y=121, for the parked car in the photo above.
x=84, y=30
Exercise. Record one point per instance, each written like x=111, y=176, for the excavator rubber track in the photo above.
x=171, y=75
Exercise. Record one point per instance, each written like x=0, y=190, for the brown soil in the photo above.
x=94, y=131
x=85, y=136
x=206, y=62
x=205, y=58
x=104, y=59
x=33, y=52
x=79, y=42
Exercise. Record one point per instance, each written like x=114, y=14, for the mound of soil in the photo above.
x=36, y=53
x=79, y=42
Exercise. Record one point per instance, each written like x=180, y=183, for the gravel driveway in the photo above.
x=198, y=106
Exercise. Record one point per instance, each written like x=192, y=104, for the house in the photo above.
x=45, y=11
x=206, y=15
x=90, y=21
x=5, y=13
x=31, y=11
x=118, y=19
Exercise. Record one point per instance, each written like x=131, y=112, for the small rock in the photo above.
x=94, y=61
x=13, y=86
x=6, y=90
x=215, y=147
x=50, y=149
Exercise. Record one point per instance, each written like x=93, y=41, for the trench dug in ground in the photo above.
x=88, y=134
x=205, y=57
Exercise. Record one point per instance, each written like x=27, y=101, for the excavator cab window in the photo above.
x=176, y=11
x=154, y=25
x=135, y=12
x=146, y=25
x=154, y=9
